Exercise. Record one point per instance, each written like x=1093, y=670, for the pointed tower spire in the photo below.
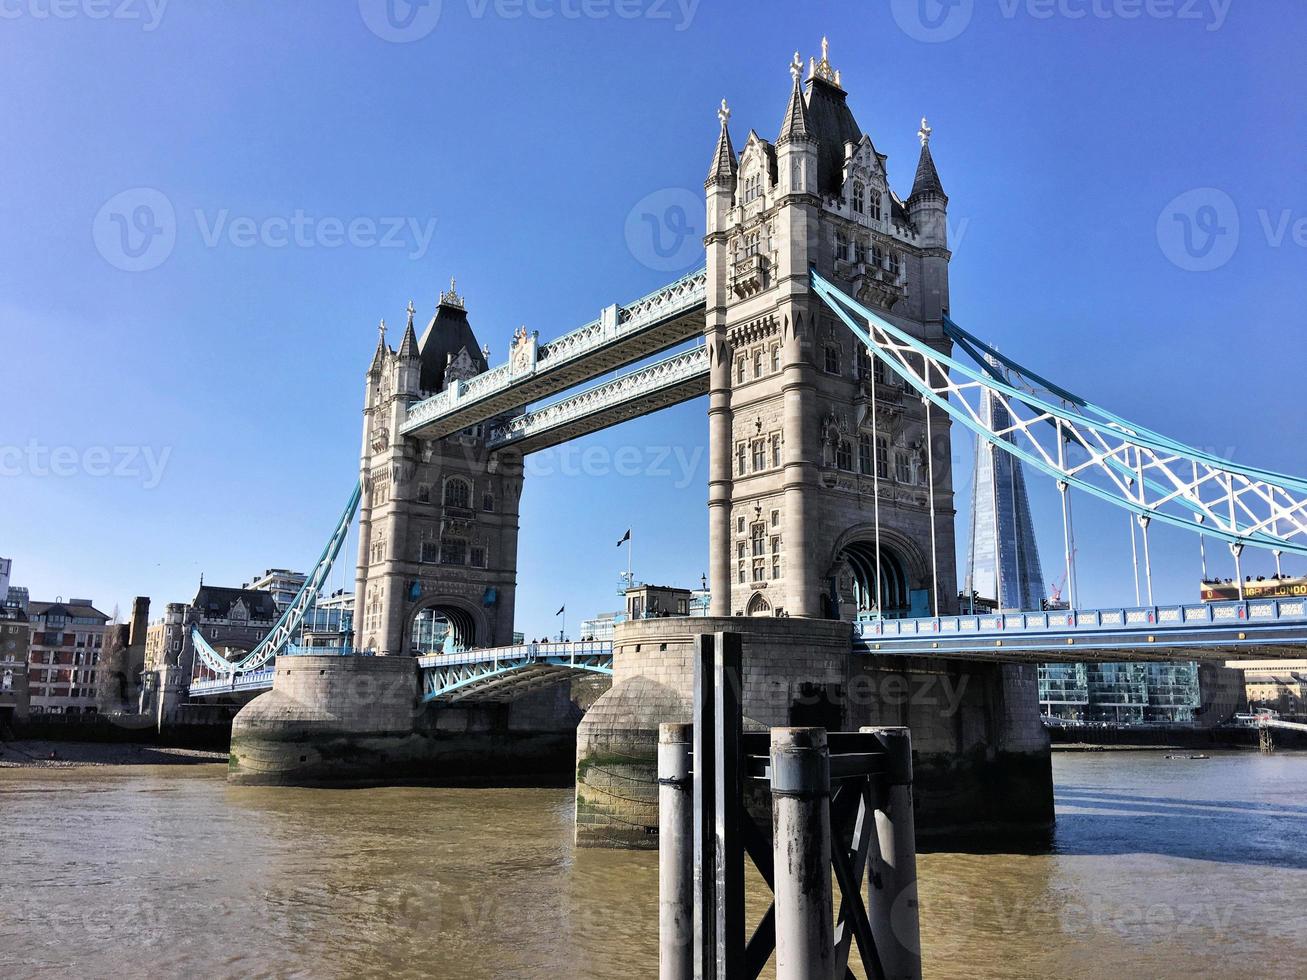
x=927, y=181
x=379, y=358
x=725, y=164
x=409, y=346
x=795, y=125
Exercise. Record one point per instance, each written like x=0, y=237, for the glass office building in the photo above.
x=1004, y=568
x=1122, y=694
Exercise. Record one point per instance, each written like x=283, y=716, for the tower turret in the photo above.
x=408, y=360
x=928, y=209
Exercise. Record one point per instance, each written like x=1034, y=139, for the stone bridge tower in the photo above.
x=798, y=471
x=438, y=519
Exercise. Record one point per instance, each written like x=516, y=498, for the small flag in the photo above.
x=560, y=610
x=625, y=538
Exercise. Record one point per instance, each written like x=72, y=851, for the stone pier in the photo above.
x=358, y=721
x=980, y=755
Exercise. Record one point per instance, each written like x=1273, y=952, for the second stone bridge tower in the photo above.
x=819, y=491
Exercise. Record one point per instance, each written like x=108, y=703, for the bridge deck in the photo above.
x=623, y=335
x=506, y=673
x=660, y=385
x=1270, y=628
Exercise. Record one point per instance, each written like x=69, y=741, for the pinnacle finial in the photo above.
x=412, y=310
x=724, y=113
x=924, y=132
x=382, y=327
x=450, y=298
x=796, y=68
x=822, y=69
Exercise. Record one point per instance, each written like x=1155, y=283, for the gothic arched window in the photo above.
x=457, y=493
x=859, y=195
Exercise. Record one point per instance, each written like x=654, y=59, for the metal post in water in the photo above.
x=675, y=854
x=800, y=785
x=892, y=883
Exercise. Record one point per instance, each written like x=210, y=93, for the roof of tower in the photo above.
x=409, y=345
x=795, y=124
x=724, y=165
x=927, y=180
x=215, y=602
x=831, y=121
x=448, y=333
x=379, y=357
x=927, y=177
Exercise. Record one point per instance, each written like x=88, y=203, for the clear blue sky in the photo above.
x=528, y=139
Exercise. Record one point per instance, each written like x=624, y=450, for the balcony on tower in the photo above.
x=874, y=284
x=749, y=275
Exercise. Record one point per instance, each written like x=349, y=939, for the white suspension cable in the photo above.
x=1148, y=557
x=875, y=485
x=998, y=541
x=1134, y=557
x=930, y=483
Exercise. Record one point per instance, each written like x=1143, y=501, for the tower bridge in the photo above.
x=822, y=330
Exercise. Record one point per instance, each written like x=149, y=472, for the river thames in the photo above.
x=1160, y=867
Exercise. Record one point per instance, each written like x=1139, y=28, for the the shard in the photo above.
x=1003, y=562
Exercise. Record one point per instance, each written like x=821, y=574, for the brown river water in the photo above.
x=1160, y=868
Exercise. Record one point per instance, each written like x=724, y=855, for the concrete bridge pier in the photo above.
x=353, y=720
x=981, y=758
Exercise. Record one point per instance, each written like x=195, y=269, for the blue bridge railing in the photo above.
x=1190, y=624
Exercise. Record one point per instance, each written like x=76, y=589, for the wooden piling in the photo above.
x=800, y=783
x=892, y=884
x=675, y=854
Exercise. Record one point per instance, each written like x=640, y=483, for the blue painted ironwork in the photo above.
x=298, y=650
x=1179, y=632
x=289, y=624
x=1125, y=464
x=568, y=360
x=255, y=680
x=503, y=673
x=668, y=381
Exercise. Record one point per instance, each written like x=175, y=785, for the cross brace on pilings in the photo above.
x=841, y=803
